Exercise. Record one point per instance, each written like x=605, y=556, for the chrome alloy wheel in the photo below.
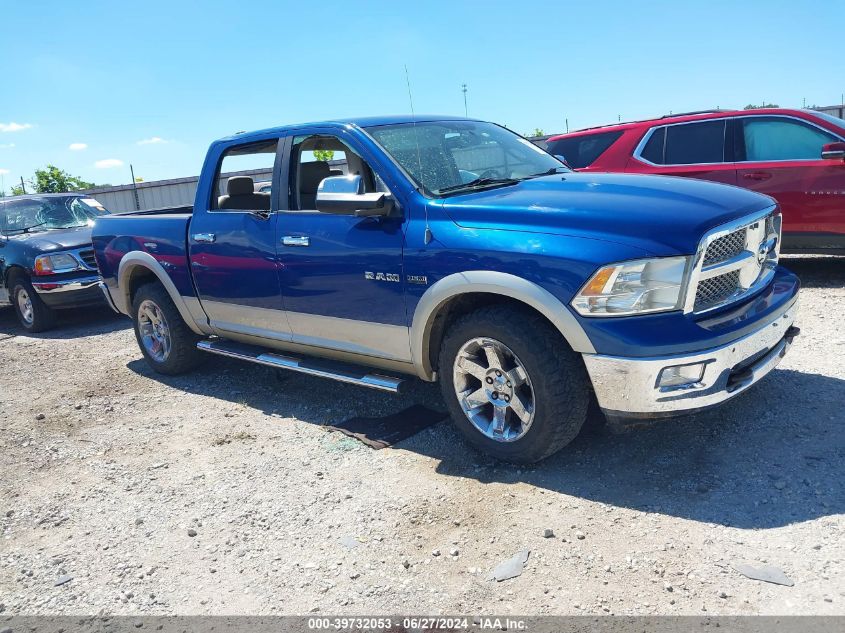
x=25, y=306
x=493, y=389
x=155, y=334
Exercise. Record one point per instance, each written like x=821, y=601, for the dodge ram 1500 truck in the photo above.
x=455, y=250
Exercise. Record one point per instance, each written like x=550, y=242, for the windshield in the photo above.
x=49, y=213
x=457, y=156
x=836, y=121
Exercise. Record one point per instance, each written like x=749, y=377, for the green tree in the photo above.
x=51, y=179
x=17, y=190
x=537, y=132
x=324, y=154
x=751, y=106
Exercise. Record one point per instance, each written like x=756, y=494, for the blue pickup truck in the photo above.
x=455, y=250
x=46, y=260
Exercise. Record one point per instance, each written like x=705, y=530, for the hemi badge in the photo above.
x=417, y=279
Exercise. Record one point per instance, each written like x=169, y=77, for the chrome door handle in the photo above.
x=205, y=238
x=296, y=240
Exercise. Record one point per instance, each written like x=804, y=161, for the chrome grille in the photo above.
x=733, y=261
x=716, y=290
x=87, y=257
x=726, y=247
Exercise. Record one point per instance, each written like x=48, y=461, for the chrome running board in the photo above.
x=315, y=367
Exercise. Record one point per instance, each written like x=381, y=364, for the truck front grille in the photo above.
x=716, y=290
x=726, y=247
x=734, y=261
x=87, y=257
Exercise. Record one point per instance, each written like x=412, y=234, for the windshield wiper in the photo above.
x=27, y=229
x=548, y=172
x=478, y=182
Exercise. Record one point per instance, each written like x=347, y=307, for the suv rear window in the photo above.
x=687, y=144
x=582, y=151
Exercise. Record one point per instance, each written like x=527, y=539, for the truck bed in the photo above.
x=161, y=233
x=178, y=210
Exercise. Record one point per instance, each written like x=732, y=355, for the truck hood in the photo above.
x=57, y=239
x=659, y=214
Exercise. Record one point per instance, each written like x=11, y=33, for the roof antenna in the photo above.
x=428, y=234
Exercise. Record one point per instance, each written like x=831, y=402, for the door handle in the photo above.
x=296, y=240
x=205, y=238
x=757, y=175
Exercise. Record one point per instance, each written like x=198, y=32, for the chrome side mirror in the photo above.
x=835, y=151
x=344, y=195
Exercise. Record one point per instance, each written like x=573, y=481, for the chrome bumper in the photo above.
x=629, y=387
x=66, y=285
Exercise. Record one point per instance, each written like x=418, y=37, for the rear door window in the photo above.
x=240, y=168
x=778, y=138
x=694, y=143
x=583, y=151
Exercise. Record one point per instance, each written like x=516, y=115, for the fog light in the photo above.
x=681, y=376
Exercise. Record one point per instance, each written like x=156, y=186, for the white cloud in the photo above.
x=77, y=147
x=108, y=163
x=4, y=172
x=6, y=145
x=155, y=140
x=14, y=127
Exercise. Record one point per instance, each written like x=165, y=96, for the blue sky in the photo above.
x=111, y=76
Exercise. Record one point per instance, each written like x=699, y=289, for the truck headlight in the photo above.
x=634, y=287
x=55, y=263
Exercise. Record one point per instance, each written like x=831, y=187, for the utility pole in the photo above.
x=23, y=186
x=135, y=188
x=567, y=126
x=464, y=90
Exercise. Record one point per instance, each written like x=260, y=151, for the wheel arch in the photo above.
x=483, y=287
x=12, y=271
x=137, y=268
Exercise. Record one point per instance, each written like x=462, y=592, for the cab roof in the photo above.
x=373, y=121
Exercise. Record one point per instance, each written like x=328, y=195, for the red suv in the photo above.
x=795, y=156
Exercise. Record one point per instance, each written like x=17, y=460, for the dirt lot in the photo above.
x=221, y=492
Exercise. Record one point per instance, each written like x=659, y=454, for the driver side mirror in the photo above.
x=344, y=195
x=834, y=151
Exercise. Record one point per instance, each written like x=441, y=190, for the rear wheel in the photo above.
x=513, y=386
x=33, y=314
x=168, y=344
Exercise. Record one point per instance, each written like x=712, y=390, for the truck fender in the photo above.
x=490, y=282
x=134, y=259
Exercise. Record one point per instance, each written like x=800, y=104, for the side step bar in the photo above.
x=315, y=367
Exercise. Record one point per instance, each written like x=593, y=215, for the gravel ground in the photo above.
x=221, y=492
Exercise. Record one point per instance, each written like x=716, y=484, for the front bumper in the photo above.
x=68, y=293
x=630, y=387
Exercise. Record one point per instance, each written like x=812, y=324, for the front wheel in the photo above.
x=34, y=315
x=168, y=344
x=513, y=386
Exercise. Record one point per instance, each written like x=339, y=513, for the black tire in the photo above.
x=41, y=316
x=561, y=386
x=183, y=354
